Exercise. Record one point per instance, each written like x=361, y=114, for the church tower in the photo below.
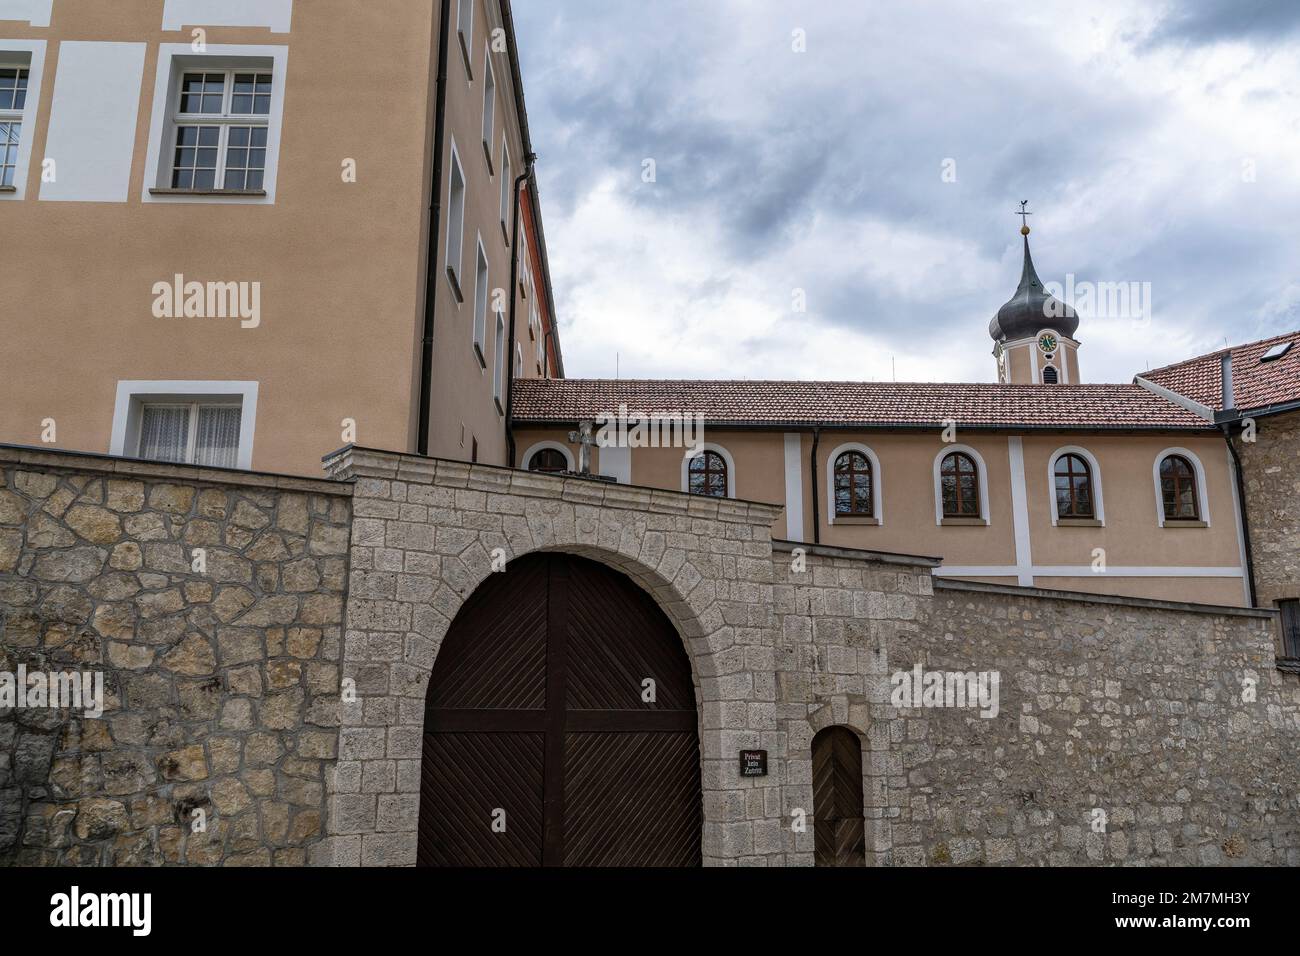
x=1033, y=333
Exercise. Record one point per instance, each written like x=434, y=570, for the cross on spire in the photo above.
x=1024, y=212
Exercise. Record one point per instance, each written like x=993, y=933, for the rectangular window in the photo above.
x=1290, y=627
x=481, y=306
x=489, y=107
x=507, y=183
x=195, y=433
x=499, y=366
x=221, y=121
x=455, y=221
x=465, y=31
x=13, y=100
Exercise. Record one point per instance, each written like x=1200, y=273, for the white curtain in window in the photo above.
x=164, y=432
x=217, y=440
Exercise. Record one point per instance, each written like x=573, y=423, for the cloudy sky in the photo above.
x=876, y=173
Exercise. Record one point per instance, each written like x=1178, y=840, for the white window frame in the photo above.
x=981, y=473
x=545, y=445
x=701, y=449
x=482, y=293
x=26, y=55
x=519, y=360
x=489, y=108
x=499, y=365
x=1098, y=503
x=455, y=254
x=223, y=121
x=132, y=396
x=507, y=179
x=1202, y=492
x=176, y=59
x=465, y=32
x=877, y=483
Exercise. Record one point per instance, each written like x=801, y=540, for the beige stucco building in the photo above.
x=263, y=228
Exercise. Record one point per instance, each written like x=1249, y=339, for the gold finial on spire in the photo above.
x=1024, y=227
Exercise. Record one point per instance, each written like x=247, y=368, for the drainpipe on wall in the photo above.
x=529, y=160
x=817, y=523
x=1229, y=405
x=435, y=219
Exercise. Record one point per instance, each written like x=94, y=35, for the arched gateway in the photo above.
x=560, y=726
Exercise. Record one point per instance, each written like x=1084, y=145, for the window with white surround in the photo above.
x=455, y=220
x=506, y=183
x=499, y=366
x=197, y=423
x=489, y=107
x=519, y=360
x=481, y=295
x=13, y=102
x=465, y=31
x=220, y=129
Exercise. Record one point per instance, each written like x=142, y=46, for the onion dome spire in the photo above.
x=1032, y=309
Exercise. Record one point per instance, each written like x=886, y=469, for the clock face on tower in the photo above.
x=1047, y=342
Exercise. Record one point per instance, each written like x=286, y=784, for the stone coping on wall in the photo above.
x=353, y=462
x=858, y=554
x=1083, y=597
x=32, y=456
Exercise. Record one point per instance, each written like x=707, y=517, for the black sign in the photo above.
x=753, y=763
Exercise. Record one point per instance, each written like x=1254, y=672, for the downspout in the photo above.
x=529, y=160
x=817, y=521
x=435, y=227
x=1241, y=508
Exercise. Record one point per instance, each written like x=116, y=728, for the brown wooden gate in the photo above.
x=839, y=836
x=539, y=749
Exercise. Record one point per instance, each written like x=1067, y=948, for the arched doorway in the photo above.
x=544, y=743
x=839, y=833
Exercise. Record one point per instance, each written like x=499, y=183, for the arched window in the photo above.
x=550, y=461
x=853, y=485
x=960, y=480
x=1049, y=375
x=708, y=475
x=1178, y=489
x=1074, y=495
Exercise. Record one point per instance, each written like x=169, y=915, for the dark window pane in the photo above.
x=20, y=99
x=207, y=158
x=205, y=178
x=255, y=179
x=264, y=83
x=237, y=158
x=234, y=179
x=239, y=136
x=241, y=105
x=184, y=158
x=6, y=99
x=262, y=105
x=244, y=82
x=257, y=158
x=183, y=179
x=259, y=139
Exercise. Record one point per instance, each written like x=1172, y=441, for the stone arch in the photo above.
x=410, y=577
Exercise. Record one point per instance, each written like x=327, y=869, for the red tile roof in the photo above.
x=867, y=404
x=1255, y=384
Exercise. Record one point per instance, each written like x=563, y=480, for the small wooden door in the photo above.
x=839, y=833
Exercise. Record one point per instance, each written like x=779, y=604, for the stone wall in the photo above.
x=230, y=687
x=220, y=684
x=1131, y=708
x=1271, y=466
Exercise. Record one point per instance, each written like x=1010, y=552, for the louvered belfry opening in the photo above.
x=540, y=745
x=839, y=832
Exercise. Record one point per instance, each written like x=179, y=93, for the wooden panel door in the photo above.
x=839, y=833
x=561, y=705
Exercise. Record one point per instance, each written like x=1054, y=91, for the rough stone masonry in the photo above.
x=1128, y=732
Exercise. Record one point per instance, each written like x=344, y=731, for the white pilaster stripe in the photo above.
x=793, y=486
x=1020, y=511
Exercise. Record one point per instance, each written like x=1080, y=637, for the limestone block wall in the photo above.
x=221, y=685
x=422, y=541
x=1127, y=731
x=1271, y=466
